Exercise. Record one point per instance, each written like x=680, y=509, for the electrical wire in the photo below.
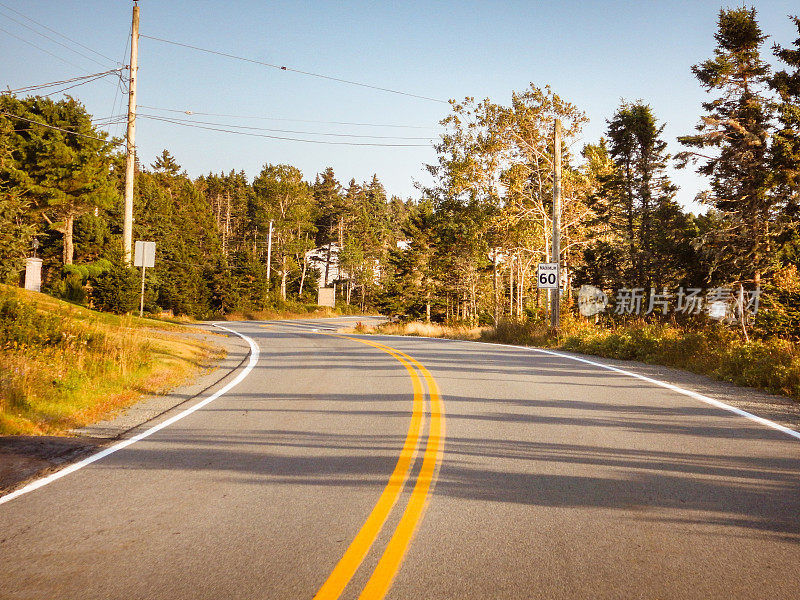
x=275, y=137
x=285, y=68
x=210, y=114
x=83, y=135
x=55, y=41
x=56, y=56
x=4, y=5
x=347, y=135
x=110, y=118
x=120, y=92
x=82, y=78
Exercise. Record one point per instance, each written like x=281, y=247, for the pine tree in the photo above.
x=639, y=196
x=785, y=149
x=327, y=192
x=733, y=150
x=165, y=163
x=62, y=174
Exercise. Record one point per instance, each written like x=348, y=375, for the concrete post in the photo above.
x=33, y=274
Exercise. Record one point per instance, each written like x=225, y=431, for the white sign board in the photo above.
x=144, y=254
x=327, y=296
x=547, y=276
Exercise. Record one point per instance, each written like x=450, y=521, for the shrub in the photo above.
x=116, y=290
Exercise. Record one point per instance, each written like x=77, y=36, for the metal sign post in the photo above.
x=144, y=256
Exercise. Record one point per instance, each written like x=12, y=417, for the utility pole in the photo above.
x=555, y=294
x=269, y=258
x=130, y=158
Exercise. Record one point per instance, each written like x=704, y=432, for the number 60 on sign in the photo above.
x=547, y=276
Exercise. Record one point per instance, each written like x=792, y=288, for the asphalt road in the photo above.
x=335, y=469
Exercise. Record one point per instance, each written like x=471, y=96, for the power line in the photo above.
x=210, y=114
x=347, y=135
x=83, y=135
x=56, y=56
x=56, y=32
x=69, y=87
x=284, y=68
x=110, y=118
x=82, y=79
x=57, y=42
x=275, y=137
x=120, y=92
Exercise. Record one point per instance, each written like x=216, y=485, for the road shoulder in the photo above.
x=780, y=409
x=24, y=458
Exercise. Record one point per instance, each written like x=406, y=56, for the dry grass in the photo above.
x=64, y=366
x=319, y=312
x=712, y=349
x=419, y=329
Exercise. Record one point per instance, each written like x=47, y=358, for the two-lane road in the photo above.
x=346, y=466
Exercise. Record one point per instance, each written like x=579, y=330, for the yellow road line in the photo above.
x=381, y=580
x=355, y=553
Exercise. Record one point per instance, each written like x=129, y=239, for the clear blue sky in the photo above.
x=591, y=53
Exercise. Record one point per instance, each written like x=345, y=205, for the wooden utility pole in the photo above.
x=554, y=297
x=269, y=258
x=130, y=159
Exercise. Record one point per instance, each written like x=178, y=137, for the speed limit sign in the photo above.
x=547, y=276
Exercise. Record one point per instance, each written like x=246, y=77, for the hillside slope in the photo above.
x=63, y=366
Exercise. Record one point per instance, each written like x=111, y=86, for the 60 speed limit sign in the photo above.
x=547, y=276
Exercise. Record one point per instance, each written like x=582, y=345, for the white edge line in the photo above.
x=254, y=354
x=669, y=386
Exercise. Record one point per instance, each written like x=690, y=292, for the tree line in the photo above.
x=467, y=248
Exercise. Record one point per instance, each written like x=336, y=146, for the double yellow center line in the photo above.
x=389, y=564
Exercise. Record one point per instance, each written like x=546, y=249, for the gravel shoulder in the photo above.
x=23, y=458
x=780, y=409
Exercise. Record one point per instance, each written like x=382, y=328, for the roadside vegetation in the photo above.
x=714, y=350
x=293, y=310
x=63, y=366
x=462, y=256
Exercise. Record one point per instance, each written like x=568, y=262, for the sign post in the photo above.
x=144, y=256
x=555, y=296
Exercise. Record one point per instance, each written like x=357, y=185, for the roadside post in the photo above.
x=555, y=296
x=33, y=270
x=144, y=256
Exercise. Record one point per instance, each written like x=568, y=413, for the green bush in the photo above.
x=21, y=325
x=116, y=290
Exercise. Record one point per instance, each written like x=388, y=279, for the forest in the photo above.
x=465, y=251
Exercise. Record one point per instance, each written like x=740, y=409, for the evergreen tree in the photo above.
x=413, y=288
x=785, y=149
x=63, y=174
x=16, y=234
x=734, y=153
x=165, y=163
x=327, y=192
x=635, y=201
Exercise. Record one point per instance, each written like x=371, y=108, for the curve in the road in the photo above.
x=357, y=551
x=381, y=580
x=389, y=564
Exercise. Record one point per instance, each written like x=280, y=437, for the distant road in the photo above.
x=346, y=466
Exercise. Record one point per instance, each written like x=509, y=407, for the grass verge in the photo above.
x=712, y=350
x=63, y=366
